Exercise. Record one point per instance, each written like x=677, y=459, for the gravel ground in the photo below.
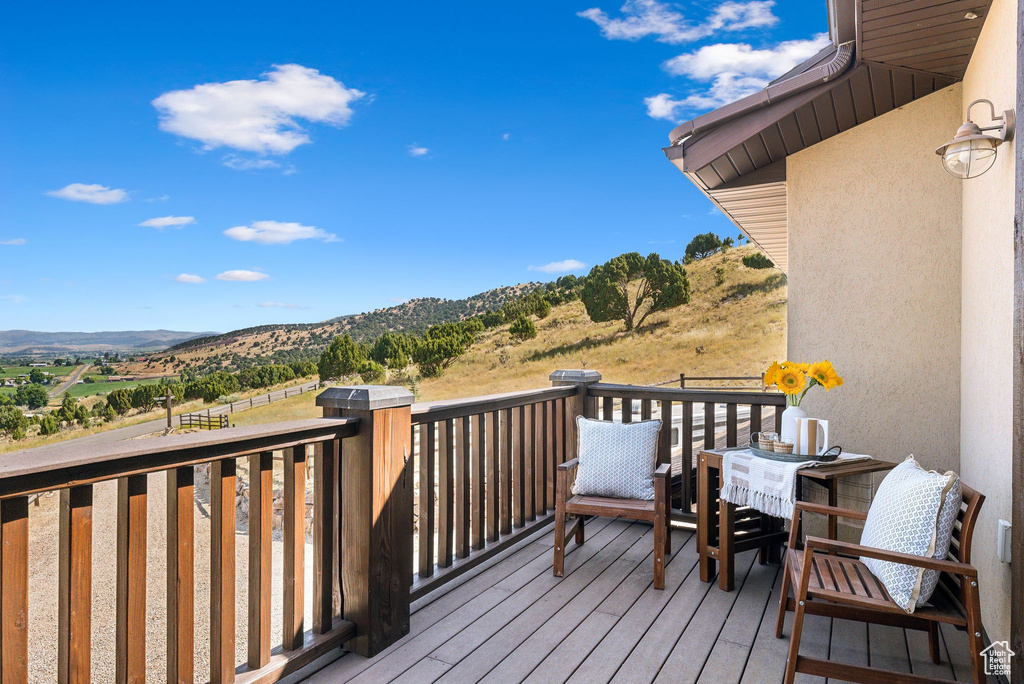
x=43, y=535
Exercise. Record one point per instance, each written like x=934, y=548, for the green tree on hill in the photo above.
x=757, y=260
x=392, y=350
x=37, y=376
x=629, y=288
x=49, y=425
x=702, y=246
x=523, y=329
x=372, y=372
x=32, y=395
x=441, y=345
x=342, y=357
x=13, y=422
x=120, y=400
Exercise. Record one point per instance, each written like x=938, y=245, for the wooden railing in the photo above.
x=73, y=472
x=491, y=460
x=458, y=481
x=203, y=421
x=698, y=419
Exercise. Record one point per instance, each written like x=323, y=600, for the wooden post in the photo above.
x=682, y=381
x=168, y=402
x=580, y=405
x=376, y=512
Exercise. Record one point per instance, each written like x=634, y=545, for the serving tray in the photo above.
x=827, y=457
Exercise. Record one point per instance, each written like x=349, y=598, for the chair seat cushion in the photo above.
x=913, y=512
x=616, y=459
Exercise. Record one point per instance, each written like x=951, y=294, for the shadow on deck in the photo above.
x=513, y=622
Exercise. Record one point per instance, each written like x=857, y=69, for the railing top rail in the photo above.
x=67, y=464
x=724, y=396
x=425, y=412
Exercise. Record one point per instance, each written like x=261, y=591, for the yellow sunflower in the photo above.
x=821, y=371
x=771, y=375
x=791, y=379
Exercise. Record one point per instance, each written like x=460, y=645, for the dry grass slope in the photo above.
x=735, y=328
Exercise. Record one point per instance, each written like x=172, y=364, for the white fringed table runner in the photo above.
x=765, y=485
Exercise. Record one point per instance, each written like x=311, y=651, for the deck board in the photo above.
x=513, y=621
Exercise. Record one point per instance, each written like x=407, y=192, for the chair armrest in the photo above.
x=830, y=511
x=849, y=549
x=664, y=470
x=569, y=465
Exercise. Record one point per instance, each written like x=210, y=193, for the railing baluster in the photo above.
x=608, y=408
x=518, y=467
x=324, y=490
x=626, y=409
x=778, y=419
x=709, y=425
x=540, y=490
x=426, y=499
x=74, y=586
x=261, y=508
x=730, y=424
x=665, y=438
x=446, y=495
x=493, y=444
x=529, y=446
x=462, y=488
x=180, y=570
x=222, y=571
x=477, y=473
x=130, y=632
x=755, y=420
x=14, y=589
x=563, y=430
x=294, y=547
x=550, y=454
x=645, y=409
x=686, y=495
x=505, y=466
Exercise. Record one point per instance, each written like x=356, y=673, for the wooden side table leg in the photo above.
x=705, y=519
x=726, y=550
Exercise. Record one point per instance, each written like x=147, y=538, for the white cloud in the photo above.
x=93, y=194
x=161, y=198
x=239, y=163
x=14, y=241
x=278, y=233
x=417, y=150
x=242, y=276
x=261, y=115
x=642, y=18
x=168, y=222
x=189, y=278
x=506, y=136
x=280, y=305
x=731, y=70
x=559, y=266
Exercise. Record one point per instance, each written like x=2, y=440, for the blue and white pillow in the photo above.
x=616, y=459
x=913, y=512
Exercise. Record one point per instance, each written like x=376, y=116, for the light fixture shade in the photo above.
x=969, y=158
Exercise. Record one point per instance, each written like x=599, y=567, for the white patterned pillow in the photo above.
x=616, y=459
x=913, y=512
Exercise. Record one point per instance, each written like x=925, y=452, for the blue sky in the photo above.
x=298, y=162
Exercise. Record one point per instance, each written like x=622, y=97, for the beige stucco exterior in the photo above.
x=874, y=281
x=986, y=329
x=903, y=277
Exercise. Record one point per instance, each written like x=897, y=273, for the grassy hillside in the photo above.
x=292, y=342
x=736, y=327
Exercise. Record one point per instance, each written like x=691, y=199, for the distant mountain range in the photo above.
x=35, y=343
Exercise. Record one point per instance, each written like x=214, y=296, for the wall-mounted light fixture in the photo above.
x=971, y=153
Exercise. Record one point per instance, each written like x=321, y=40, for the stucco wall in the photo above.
x=986, y=390
x=874, y=281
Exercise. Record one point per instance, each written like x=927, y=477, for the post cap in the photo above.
x=575, y=377
x=364, y=397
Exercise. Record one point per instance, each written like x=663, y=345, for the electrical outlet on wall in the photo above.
x=1003, y=541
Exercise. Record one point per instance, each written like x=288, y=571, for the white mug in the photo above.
x=811, y=437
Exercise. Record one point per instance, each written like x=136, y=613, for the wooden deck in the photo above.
x=603, y=621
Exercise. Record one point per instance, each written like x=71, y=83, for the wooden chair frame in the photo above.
x=579, y=507
x=828, y=579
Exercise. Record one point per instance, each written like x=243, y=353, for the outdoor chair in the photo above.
x=828, y=579
x=654, y=511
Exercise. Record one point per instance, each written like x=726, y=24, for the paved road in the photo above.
x=69, y=382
